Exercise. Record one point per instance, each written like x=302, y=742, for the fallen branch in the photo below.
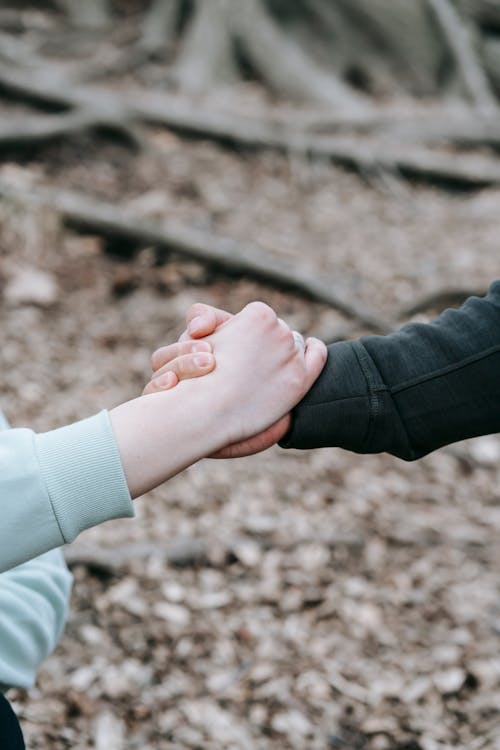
x=183, y=553
x=186, y=552
x=85, y=214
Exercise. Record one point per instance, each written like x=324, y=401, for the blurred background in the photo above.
x=337, y=159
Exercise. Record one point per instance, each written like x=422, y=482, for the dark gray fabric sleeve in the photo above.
x=410, y=392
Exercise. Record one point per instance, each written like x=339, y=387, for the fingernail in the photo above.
x=164, y=381
x=203, y=360
x=201, y=346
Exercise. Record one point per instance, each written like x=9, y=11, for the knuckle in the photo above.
x=196, y=309
x=261, y=311
x=184, y=365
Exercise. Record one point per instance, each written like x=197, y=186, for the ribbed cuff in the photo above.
x=84, y=476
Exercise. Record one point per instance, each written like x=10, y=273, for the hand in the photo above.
x=202, y=320
x=262, y=371
x=180, y=361
x=258, y=443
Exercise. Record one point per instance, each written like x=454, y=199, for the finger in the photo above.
x=167, y=381
x=188, y=366
x=315, y=358
x=257, y=443
x=168, y=353
x=202, y=320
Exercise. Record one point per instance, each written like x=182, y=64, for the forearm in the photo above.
x=412, y=391
x=161, y=434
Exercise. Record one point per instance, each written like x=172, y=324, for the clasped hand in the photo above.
x=255, y=356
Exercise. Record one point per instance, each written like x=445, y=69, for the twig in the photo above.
x=86, y=214
x=113, y=560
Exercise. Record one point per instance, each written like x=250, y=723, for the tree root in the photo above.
x=471, y=71
x=207, y=56
x=484, y=12
x=491, y=56
x=403, y=32
x=41, y=129
x=158, y=27
x=284, y=65
x=85, y=214
x=319, y=51
x=364, y=156
x=91, y=14
x=440, y=125
x=49, y=86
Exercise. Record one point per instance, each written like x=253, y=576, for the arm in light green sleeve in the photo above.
x=34, y=599
x=56, y=484
x=52, y=486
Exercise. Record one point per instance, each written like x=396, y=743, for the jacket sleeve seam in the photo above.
x=456, y=367
x=373, y=390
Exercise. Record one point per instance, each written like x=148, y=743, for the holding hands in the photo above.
x=263, y=367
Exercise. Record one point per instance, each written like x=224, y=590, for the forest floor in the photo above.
x=311, y=600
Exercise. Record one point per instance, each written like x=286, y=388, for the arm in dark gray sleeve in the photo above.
x=410, y=392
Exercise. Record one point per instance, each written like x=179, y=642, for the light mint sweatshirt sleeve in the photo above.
x=56, y=484
x=52, y=486
x=34, y=599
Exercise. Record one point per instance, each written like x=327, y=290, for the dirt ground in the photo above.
x=288, y=600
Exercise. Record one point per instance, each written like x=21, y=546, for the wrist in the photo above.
x=161, y=434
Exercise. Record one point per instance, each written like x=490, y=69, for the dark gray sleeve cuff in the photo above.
x=336, y=411
x=350, y=407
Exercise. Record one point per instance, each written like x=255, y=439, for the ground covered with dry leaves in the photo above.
x=289, y=600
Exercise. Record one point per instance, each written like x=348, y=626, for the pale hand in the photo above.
x=203, y=320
